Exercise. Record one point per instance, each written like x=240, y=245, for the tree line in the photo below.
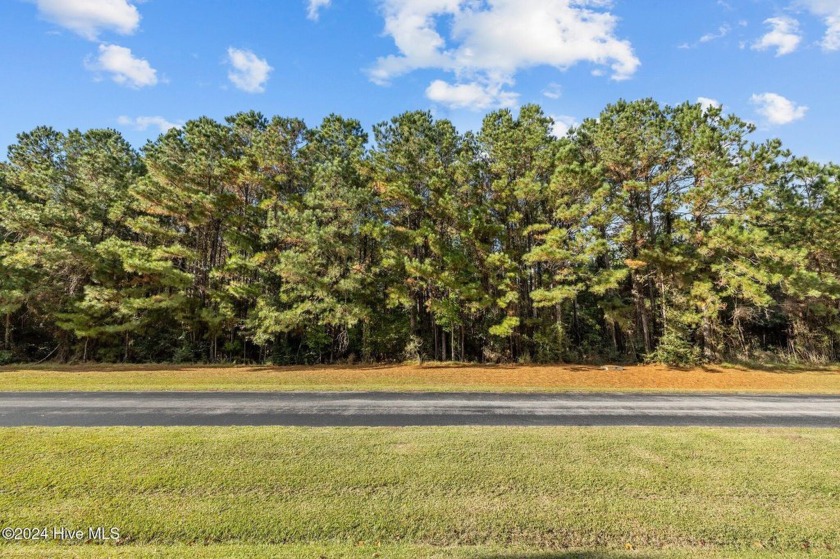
x=648, y=233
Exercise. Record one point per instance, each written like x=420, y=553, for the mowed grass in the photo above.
x=426, y=492
x=428, y=377
x=367, y=551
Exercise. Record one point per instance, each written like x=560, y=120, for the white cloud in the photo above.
x=777, y=109
x=489, y=41
x=831, y=41
x=562, y=124
x=783, y=36
x=248, y=71
x=315, y=7
x=89, y=17
x=145, y=122
x=124, y=67
x=553, y=91
x=472, y=95
x=722, y=32
x=829, y=10
x=707, y=103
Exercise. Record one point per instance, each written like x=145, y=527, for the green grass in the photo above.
x=417, y=492
x=367, y=551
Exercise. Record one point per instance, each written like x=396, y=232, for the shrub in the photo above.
x=675, y=350
x=7, y=357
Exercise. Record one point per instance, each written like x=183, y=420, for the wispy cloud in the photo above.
x=722, y=32
x=553, y=91
x=313, y=11
x=143, y=123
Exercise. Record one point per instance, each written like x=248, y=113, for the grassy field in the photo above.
x=375, y=552
x=367, y=551
x=429, y=377
x=426, y=492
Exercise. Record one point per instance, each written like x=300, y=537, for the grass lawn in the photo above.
x=368, y=551
x=429, y=377
x=426, y=492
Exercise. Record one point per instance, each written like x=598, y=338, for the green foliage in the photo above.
x=505, y=328
x=7, y=357
x=651, y=232
x=675, y=350
x=413, y=350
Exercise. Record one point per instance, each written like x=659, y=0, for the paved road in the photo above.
x=403, y=409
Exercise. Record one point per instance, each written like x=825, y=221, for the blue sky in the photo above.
x=140, y=66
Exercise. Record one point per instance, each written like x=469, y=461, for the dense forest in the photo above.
x=648, y=233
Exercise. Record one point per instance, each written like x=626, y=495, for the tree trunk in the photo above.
x=706, y=340
x=641, y=312
x=462, y=342
x=365, y=341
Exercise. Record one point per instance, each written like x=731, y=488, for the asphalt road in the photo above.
x=404, y=409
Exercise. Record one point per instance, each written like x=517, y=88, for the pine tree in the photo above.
x=652, y=232
x=325, y=244
x=66, y=194
x=520, y=160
